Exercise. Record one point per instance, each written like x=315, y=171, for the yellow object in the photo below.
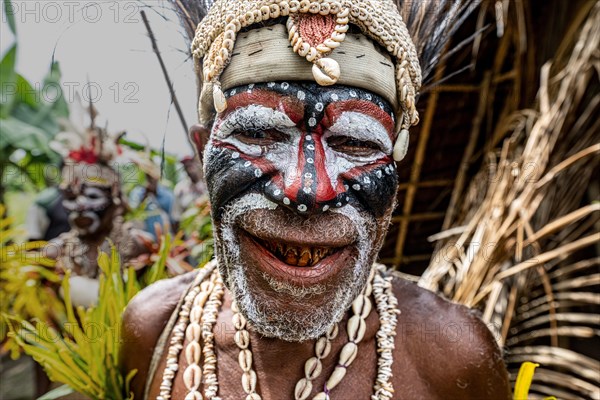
x=524, y=379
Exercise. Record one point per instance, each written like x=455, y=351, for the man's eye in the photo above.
x=259, y=137
x=95, y=194
x=352, y=146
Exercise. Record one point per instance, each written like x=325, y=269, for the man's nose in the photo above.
x=308, y=185
x=80, y=203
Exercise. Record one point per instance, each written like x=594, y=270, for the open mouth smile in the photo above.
x=297, y=255
x=291, y=249
x=83, y=221
x=294, y=263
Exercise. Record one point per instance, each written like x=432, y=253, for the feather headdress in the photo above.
x=81, y=141
x=89, y=152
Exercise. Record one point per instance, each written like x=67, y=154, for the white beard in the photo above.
x=267, y=319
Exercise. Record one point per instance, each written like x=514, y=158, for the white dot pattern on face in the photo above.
x=310, y=148
x=233, y=91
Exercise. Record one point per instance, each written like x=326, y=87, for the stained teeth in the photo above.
x=291, y=256
x=305, y=258
x=300, y=256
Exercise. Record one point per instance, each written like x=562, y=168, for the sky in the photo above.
x=105, y=43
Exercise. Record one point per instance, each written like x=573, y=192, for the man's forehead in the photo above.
x=309, y=100
x=91, y=175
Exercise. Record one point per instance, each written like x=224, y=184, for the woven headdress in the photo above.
x=317, y=31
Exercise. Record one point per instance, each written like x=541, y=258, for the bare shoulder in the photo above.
x=450, y=343
x=144, y=319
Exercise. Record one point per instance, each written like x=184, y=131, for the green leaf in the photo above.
x=26, y=93
x=60, y=108
x=10, y=16
x=34, y=171
x=8, y=81
x=57, y=393
x=19, y=134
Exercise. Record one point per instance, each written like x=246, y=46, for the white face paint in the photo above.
x=88, y=204
x=283, y=154
x=253, y=118
x=363, y=127
x=357, y=126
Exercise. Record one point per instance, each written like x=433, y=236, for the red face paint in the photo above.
x=305, y=147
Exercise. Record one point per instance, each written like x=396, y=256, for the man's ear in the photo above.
x=199, y=135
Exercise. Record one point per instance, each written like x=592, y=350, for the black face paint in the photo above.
x=87, y=206
x=305, y=147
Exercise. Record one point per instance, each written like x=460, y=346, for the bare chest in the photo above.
x=279, y=370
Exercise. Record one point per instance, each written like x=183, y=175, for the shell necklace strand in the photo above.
x=198, y=315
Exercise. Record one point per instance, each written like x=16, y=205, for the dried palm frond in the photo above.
x=518, y=240
x=432, y=24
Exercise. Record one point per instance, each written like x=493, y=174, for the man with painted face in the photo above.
x=299, y=162
x=92, y=197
